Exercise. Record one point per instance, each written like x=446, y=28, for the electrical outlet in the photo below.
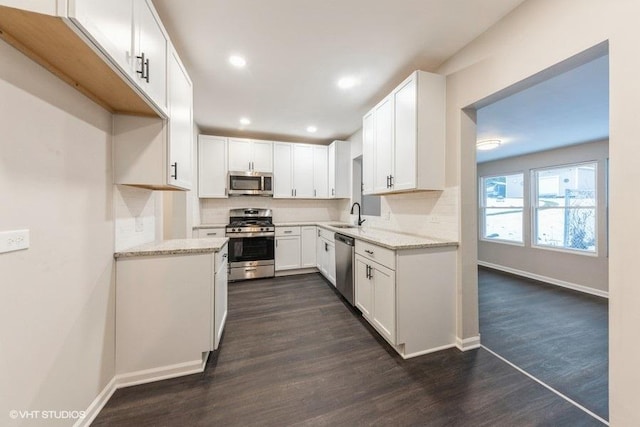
x=14, y=240
x=139, y=224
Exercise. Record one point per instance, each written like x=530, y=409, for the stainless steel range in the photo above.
x=251, y=236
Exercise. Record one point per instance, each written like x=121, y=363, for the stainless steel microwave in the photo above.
x=250, y=183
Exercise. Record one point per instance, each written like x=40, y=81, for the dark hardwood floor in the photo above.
x=558, y=335
x=294, y=354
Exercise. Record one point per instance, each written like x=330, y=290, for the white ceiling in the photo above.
x=296, y=50
x=570, y=108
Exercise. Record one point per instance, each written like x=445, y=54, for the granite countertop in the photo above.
x=389, y=239
x=175, y=247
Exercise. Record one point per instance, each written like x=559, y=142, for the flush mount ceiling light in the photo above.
x=348, y=82
x=237, y=61
x=488, y=144
x=312, y=129
x=245, y=121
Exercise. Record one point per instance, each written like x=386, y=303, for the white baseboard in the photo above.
x=468, y=343
x=136, y=378
x=550, y=280
x=423, y=352
x=98, y=403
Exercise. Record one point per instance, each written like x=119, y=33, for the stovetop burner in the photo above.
x=250, y=220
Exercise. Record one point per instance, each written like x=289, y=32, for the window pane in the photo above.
x=503, y=191
x=503, y=224
x=567, y=186
x=567, y=228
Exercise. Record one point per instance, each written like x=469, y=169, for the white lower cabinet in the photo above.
x=326, y=254
x=170, y=310
x=308, y=246
x=408, y=296
x=376, y=296
x=210, y=232
x=287, y=252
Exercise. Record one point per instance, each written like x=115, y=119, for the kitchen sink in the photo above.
x=344, y=226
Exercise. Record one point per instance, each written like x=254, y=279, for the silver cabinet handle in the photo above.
x=288, y=231
x=390, y=180
x=333, y=191
x=292, y=192
x=212, y=234
x=315, y=193
x=368, y=251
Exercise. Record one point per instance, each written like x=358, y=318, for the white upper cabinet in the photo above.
x=282, y=170
x=404, y=137
x=303, y=173
x=150, y=51
x=339, y=169
x=368, y=139
x=383, y=147
x=180, y=111
x=130, y=33
x=109, y=24
x=250, y=155
x=320, y=172
x=212, y=167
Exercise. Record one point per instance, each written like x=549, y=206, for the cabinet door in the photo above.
x=204, y=233
x=368, y=153
x=320, y=172
x=383, y=135
x=110, y=25
x=319, y=251
x=287, y=252
x=303, y=174
x=308, y=247
x=384, y=301
x=363, y=288
x=331, y=262
x=406, y=136
x=332, y=169
x=239, y=154
x=220, y=303
x=262, y=156
x=180, y=124
x=282, y=171
x=212, y=167
x=151, y=42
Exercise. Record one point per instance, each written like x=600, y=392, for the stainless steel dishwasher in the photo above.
x=345, y=254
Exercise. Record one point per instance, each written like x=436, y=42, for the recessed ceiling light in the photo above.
x=311, y=129
x=348, y=82
x=245, y=121
x=488, y=144
x=237, y=61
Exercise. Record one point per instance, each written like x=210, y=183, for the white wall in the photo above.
x=534, y=37
x=56, y=298
x=588, y=271
x=137, y=216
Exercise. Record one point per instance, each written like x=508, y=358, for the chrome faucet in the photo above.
x=360, y=220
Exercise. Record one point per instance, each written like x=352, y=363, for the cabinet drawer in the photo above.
x=384, y=256
x=326, y=234
x=210, y=232
x=287, y=231
x=221, y=258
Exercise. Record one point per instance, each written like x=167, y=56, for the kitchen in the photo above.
x=58, y=177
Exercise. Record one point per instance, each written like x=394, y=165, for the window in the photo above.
x=564, y=204
x=501, y=204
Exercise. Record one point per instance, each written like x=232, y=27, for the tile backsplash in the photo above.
x=137, y=216
x=424, y=213
x=216, y=211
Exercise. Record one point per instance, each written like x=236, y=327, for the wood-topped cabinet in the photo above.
x=404, y=137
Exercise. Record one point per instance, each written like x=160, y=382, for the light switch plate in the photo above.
x=14, y=240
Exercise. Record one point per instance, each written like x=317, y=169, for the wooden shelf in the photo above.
x=50, y=42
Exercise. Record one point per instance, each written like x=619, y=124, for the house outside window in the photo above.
x=501, y=207
x=565, y=207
